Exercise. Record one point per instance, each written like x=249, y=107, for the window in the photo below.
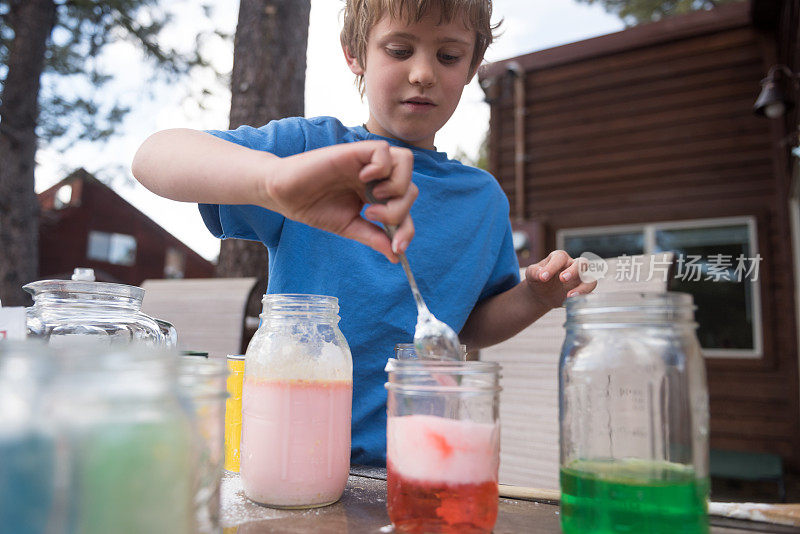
x=119, y=249
x=606, y=245
x=717, y=263
x=62, y=197
x=174, y=263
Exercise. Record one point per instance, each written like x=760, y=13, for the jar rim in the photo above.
x=82, y=287
x=190, y=366
x=629, y=300
x=298, y=297
x=444, y=367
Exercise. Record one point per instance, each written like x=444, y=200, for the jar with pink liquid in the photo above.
x=296, y=404
x=442, y=445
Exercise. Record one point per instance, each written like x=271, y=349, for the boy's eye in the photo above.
x=448, y=58
x=399, y=53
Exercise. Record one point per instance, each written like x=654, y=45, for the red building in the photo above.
x=84, y=223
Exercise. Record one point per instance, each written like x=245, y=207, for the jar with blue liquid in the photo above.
x=27, y=453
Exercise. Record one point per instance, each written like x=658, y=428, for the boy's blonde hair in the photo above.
x=361, y=15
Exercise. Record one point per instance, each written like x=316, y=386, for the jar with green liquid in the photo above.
x=125, y=462
x=633, y=414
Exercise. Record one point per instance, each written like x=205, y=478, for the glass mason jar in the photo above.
x=296, y=404
x=442, y=445
x=68, y=310
x=125, y=441
x=27, y=445
x=203, y=382
x=633, y=414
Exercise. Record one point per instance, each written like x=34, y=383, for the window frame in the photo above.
x=649, y=230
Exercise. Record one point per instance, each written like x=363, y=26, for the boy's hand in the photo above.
x=325, y=188
x=555, y=278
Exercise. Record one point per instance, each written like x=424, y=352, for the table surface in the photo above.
x=362, y=508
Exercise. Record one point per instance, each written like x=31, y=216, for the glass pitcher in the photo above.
x=67, y=310
x=296, y=404
x=633, y=414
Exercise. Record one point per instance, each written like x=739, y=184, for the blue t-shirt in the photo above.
x=461, y=253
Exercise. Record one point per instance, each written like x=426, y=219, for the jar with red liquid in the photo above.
x=296, y=404
x=443, y=445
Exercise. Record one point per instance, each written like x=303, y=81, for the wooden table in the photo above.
x=362, y=508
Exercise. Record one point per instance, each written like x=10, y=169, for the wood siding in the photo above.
x=656, y=124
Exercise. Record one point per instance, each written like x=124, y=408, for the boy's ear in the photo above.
x=352, y=62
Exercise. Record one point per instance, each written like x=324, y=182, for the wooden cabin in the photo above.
x=646, y=141
x=84, y=223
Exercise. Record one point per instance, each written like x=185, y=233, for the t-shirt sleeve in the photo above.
x=284, y=137
x=505, y=273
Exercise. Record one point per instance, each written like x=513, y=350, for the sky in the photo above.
x=528, y=26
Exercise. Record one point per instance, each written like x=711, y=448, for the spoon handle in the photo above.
x=390, y=230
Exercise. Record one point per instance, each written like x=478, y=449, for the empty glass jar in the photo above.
x=64, y=311
x=633, y=416
x=203, y=382
x=443, y=445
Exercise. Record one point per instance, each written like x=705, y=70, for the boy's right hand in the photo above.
x=324, y=188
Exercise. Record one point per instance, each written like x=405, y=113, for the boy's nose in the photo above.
x=422, y=73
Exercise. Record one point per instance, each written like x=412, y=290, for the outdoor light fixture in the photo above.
x=773, y=102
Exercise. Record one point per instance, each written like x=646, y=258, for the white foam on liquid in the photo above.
x=436, y=449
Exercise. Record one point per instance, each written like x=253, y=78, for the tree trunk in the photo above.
x=32, y=22
x=268, y=82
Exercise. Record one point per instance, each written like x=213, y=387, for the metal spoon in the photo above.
x=433, y=339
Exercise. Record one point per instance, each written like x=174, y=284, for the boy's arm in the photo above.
x=323, y=188
x=545, y=287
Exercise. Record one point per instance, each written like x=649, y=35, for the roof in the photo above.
x=726, y=16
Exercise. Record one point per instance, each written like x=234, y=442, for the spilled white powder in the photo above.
x=236, y=509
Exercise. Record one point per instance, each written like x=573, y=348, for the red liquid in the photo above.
x=416, y=506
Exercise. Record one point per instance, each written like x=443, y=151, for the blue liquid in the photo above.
x=26, y=483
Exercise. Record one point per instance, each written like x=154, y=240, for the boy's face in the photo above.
x=414, y=76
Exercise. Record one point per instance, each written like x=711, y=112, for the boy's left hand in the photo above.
x=555, y=278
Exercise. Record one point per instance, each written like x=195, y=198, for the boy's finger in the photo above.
x=371, y=235
x=556, y=261
x=379, y=166
x=403, y=236
x=398, y=179
x=582, y=289
x=393, y=211
x=571, y=273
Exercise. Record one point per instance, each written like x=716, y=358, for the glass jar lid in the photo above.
x=83, y=285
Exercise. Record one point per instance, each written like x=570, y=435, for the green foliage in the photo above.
x=481, y=162
x=638, y=11
x=73, y=105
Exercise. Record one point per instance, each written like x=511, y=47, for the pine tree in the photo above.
x=638, y=11
x=60, y=40
x=268, y=82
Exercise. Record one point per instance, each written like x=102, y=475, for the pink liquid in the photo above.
x=295, y=449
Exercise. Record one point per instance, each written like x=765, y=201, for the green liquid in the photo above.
x=632, y=496
x=132, y=478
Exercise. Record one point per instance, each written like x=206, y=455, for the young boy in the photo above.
x=297, y=185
